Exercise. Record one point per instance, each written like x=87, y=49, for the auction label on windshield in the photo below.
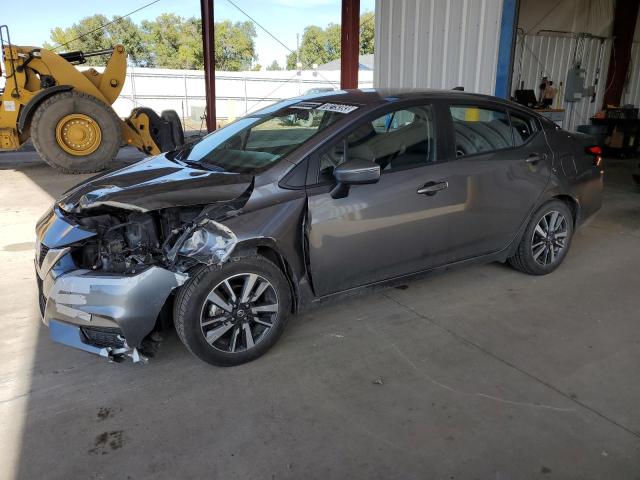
x=306, y=105
x=336, y=107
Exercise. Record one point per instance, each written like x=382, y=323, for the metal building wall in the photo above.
x=437, y=44
x=632, y=88
x=552, y=56
x=631, y=92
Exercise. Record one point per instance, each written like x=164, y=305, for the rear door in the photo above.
x=499, y=166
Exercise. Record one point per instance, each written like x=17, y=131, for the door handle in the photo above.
x=431, y=188
x=534, y=158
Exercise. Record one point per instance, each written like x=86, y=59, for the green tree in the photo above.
x=175, y=42
x=322, y=45
x=169, y=41
x=234, y=45
x=274, y=66
x=90, y=35
x=367, y=32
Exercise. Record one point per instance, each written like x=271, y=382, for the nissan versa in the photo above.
x=307, y=200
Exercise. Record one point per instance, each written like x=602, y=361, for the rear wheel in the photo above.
x=233, y=313
x=76, y=133
x=546, y=240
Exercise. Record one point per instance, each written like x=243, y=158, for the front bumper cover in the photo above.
x=72, y=336
x=130, y=303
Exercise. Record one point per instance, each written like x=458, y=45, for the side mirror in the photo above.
x=354, y=172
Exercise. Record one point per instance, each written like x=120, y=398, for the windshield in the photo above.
x=253, y=144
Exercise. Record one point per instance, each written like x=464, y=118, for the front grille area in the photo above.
x=103, y=336
x=43, y=253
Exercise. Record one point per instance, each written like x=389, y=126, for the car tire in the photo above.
x=213, y=326
x=543, y=247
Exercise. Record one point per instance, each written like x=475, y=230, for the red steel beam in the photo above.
x=624, y=24
x=350, y=44
x=206, y=10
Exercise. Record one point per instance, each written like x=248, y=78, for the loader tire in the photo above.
x=76, y=133
x=177, y=132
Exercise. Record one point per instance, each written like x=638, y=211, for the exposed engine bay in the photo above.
x=171, y=238
x=126, y=241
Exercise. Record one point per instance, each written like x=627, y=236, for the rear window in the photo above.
x=480, y=130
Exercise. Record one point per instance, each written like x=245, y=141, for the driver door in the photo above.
x=387, y=229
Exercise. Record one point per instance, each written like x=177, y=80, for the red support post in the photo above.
x=350, y=44
x=208, y=48
x=624, y=24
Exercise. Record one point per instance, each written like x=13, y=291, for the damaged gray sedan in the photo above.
x=305, y=201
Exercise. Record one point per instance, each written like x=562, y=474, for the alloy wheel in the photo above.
x=238, y=313
x=549, y=238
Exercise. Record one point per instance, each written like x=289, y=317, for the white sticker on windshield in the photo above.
x=306, y=105
x=336, y=107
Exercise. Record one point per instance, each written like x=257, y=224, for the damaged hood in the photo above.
x=153, y=184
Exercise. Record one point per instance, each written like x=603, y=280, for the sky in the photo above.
x=283, y=18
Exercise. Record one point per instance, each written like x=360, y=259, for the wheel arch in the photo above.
x=568, y=200
x=267, y=248
x=572, y=203
x=26, y=114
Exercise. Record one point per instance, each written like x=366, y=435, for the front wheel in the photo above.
x=545, y=241
x=233, y=313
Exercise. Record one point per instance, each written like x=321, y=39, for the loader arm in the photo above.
x=113, y=77
x=108, y=87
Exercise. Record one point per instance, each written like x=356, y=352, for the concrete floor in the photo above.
x=481, y=373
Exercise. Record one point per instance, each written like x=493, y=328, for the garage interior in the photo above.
x=478, y=373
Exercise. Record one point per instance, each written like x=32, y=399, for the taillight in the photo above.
x=596, y=151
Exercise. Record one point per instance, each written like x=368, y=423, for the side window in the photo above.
x=523, y=128
x=393, y=120
x=480, y=130
x=330, y=159
x=396, y=141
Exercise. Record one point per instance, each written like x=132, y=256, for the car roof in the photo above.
x=376, y=96
x=369, y=98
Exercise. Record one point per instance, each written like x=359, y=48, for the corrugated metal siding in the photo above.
x=538, y=55
x=437, y=44
x=631, y=92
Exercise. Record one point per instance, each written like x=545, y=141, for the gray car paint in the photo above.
x=378, y=233
x=155, y=183
x=53, y=231
x=130, y=303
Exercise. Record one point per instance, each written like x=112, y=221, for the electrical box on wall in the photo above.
x=574, y=88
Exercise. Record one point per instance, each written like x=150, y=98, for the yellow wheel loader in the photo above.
x=67, y=113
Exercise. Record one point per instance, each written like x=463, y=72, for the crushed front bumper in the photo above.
x=104, y=313
x=99, y=312
x=74, y=336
